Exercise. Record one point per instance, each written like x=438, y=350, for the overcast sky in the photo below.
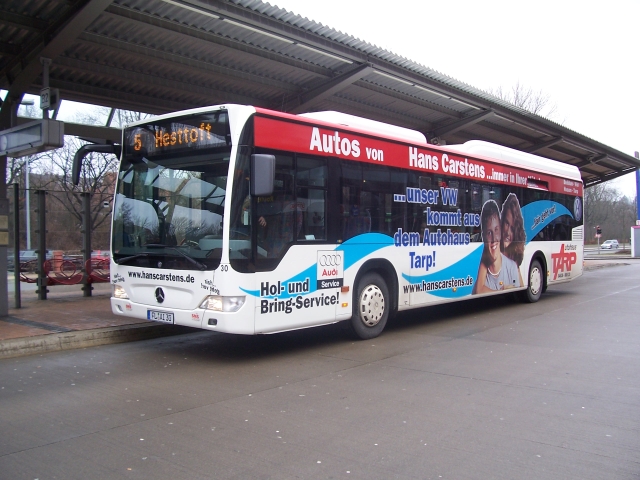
x=584, y=55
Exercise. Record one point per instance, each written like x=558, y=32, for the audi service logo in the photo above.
x=331, y=260
x=159, y=295
x=330, y=270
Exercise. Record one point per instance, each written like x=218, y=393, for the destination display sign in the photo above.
x=178, y=136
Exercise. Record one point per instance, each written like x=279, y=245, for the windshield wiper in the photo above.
x=197, y=263
x=124, y=260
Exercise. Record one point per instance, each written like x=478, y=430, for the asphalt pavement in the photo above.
x=68, y=320
x=486, y=388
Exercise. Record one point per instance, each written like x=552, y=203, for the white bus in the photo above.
x=245, y=220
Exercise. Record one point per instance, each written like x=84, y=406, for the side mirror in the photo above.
x=263, y=171
x=86, y=150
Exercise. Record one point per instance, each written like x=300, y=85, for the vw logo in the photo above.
x=577, y=209
x=330, y=260
x=159, y=295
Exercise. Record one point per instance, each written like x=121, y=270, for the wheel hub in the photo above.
x=535, y=281
x=371, y=305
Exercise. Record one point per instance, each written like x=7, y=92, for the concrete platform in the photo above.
x=69, y=320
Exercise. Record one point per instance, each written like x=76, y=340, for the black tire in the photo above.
x=536, y=283
x=371, y=307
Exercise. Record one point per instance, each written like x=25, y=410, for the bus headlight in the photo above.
x=118, y=292
x=222, y=304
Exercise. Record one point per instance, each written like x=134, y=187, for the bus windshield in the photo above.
x=169, y=202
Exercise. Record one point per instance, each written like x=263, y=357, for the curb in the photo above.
x=603, y=265
x=57, y=342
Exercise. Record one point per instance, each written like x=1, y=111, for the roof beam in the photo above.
x=305, y=100
x=405, y=97
x=9, y=49
x=538, y=124
x=25, y=68
x=460, y=124
x=591, y=172
x=374, y=112
x=60, y=40
x=601, y=178
x=22, y=21
x=599, y=160
x=536, y=147
x=525, y=138
x=137, y=102
x=591, y=160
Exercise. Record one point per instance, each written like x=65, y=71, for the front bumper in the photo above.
x=226, y=322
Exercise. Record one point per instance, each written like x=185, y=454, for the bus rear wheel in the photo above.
x=536, y=283
x=370, y=307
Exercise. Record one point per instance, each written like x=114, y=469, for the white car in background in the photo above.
x=610, y=245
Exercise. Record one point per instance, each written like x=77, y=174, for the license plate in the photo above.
x=164, y=317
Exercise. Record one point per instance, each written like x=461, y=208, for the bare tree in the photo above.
x=51, y=171
x=120, y=118
x=16, y=168
x=97, y=178
x=126, y=116
x=536, y=102
x=624, y=217
x=606, y=207
x=29, y=110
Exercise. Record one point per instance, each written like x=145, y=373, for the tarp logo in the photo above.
x=563, y=261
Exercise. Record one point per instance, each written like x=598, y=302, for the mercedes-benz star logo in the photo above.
x=159, y=295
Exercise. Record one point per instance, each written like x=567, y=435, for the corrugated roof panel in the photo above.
x=372, y=50
x=171, y=54
x=201, y=50
x=45, y=10
x=420, y=94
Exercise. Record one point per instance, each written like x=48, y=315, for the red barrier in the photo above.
x=66, y=272
x=98, y=270
x=28, y=267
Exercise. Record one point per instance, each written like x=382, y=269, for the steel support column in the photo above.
x=42, y=244
x=16, y=246
x=86, y=243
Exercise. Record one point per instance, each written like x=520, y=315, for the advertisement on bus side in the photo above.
x=442, y=260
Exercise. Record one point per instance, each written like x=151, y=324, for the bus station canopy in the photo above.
x=158, y=56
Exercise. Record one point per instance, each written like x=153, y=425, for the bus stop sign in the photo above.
x=33, y=137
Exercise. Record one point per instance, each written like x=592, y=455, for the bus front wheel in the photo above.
x=536, y=283
x=370, y=307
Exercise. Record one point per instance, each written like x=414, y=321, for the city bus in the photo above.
x=244, y=220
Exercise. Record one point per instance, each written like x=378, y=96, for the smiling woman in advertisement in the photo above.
x=513, y=234
x=496, y=270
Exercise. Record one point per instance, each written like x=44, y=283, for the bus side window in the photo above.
x=278, y=215
x=311, y=180
x=312, y=204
